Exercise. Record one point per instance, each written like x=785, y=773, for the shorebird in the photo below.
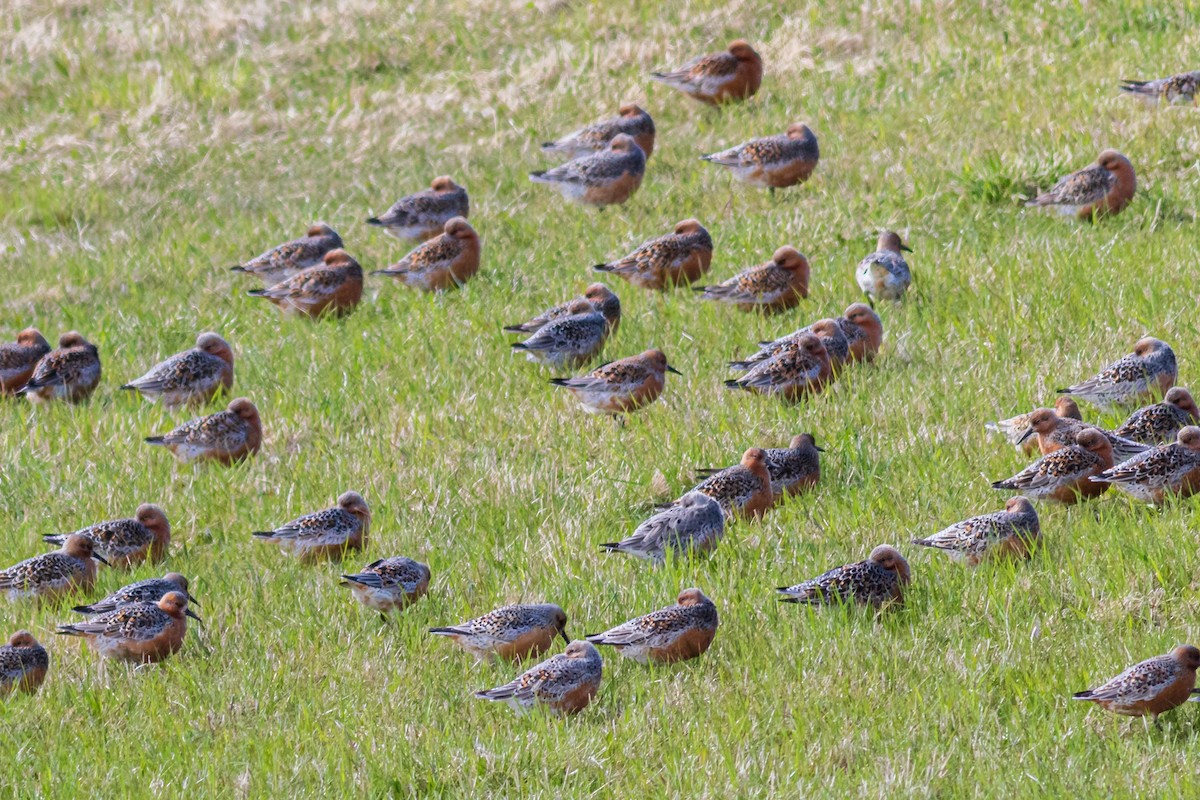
x=600, y=296
x=1149, y=370
x=225, y=437
x=282, y=262
x=190, y=378
x=52, y=575
x=326, y=535
x=424, y=215
x=777, y=285
x=126, y=542
x=604, y=178
x=142, y=633
x=334, y=287
x=743, y=490
x=799, y=368
x=1161, y=422
x=23, y=664
x=1016, y=429
x=720, y=77
x=792, y=469
x=510, y=633
x=1181, y=88
x=565, y=683
x=1063, y=475
x=1164, y=469
x=1102, y=189
x=440, y=264
x=569, y=341
x=622, y=386
x=150, y=590
x=681, y=256
x=389, y=584
x=878, y=581
x=884, y=275
x=71, y=372
x=18, y=359
x=1054, y=432
x=630, y=120
x=694, y=522
x=1151, y=687
x=676, y=633
x=1012, y=531
x=774, y=162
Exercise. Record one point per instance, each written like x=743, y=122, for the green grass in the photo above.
x=146, y=146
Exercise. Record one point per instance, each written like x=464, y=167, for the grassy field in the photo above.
x=147, y=146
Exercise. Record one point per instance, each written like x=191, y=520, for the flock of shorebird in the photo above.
x=1153, y=455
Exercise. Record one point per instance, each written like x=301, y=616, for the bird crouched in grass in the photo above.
x=150, y=590
x=676, y=633
x=878, y=581
x=1169, y=469
x=1055, y=432
x=598, y=295
x=71, y=372
x=694, y=522
x=775, y=162
x=801, y=367
x=792, y=469
x=1015, y=531
x=511, y=633
x=23, y=664
x=777, y=285
x=1016, y=429
x=443, y=263
x=622, y=386
x=569, y=341
x=1161, y=422
x=53, y=575
x=1064, y=475
x=631, y=120
x=389, y=584
x=565, y=684
x=1151, y=687
x=718, y=78
x=141, y=633
x=605, y=178
x=1173, y=89
x=1148, y=371
x=424, y=215
x=334, y=288
x=126, y=542
x=19, y=359
x=283, y=261
x=681, y=256
x=1101, y=190
x=743, y=490
x=326, y=535
x=190, y=378
x=225, y=437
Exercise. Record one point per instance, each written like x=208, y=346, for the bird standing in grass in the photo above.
x=570, y=341
x=282, y=262
x=777, y=285
x=326, y=535
x=1169, y=469
x=141, y=633
x=19, y=359
x=1148, y=371
x=565, y=683
x=511, y=633
x=694, y=522
x=676, y=633
x=225, y=437
x=1103, y=189
x=681, y=256
x=190, y=378
x=126, y=542
x=424, y=215
x=1161, y=422
x=1173, y=89
x=601, y=298
x=389, y=584
x=884, y=275
x=52, y=575
x=622, y=386
x=1016, y=429
x=150, y=590
x=878, y=581
x=23, y=664
x=334, y=287
x=605, y=178
x=1151, y=687
x=1012, y=531
x=631, y=120
x=445, y=262
x=720, y=77
x=71, y=372
x=774, y=162
x=1063, y=475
